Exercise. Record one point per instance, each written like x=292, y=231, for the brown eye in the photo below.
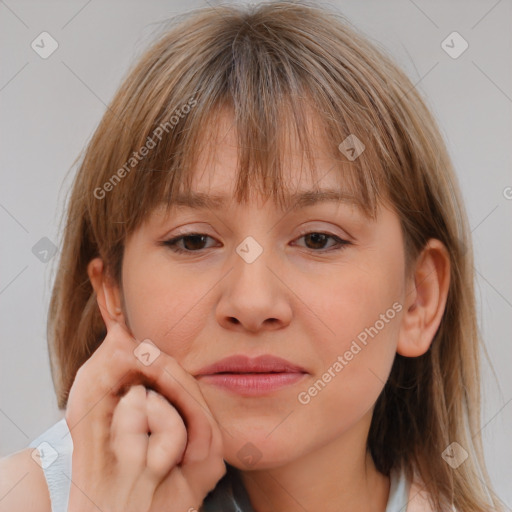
x=193, y=242
x=196, y=242
x=316, y=241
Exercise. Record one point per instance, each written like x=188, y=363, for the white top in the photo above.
x=55, y=447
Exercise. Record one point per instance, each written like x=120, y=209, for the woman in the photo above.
x=321, y=350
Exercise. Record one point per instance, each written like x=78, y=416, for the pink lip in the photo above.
x=251, y=376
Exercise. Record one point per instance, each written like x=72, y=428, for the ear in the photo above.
x=427, y=291
x=107, y=294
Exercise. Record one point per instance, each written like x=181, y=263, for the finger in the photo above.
x=173, y=382
x=129, y=430
x=168, y=438
x=113, y=367
x=130, y=446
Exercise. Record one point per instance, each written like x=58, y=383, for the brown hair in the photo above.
x=273, y=65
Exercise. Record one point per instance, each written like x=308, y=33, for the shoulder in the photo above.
x=418, y=498
x=23, y=484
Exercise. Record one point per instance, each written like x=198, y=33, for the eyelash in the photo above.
x=172, y=242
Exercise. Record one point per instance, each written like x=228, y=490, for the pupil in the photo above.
x=193, y=237
x=316, y=236
x=318, y=240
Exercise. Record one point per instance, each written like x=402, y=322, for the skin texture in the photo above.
x=300, y=300
x=294, y=301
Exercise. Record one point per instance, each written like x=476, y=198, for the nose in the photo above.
x=253, y=296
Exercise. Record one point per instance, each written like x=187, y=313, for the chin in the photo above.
x=258, y=452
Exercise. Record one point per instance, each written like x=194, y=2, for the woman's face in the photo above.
x=333, y=309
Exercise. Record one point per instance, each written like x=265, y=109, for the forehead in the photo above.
x=213, y=179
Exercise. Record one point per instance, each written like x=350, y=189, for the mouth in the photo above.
x=247, y=376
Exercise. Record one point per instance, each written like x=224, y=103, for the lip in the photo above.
x=252, y=376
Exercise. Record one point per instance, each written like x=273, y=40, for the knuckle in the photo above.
x=172, y=445
x=155, y=399
x=134, y=398
x=137, y=395
x=136, y=392
x=158, y=404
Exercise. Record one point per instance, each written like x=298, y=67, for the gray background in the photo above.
x=50, y=108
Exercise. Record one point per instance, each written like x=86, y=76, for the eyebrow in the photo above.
x=295, y=201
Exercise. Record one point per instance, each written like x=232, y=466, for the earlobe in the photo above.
x=425, y=301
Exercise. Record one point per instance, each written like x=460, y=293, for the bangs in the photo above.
x=326, y=93
x=265, y=140
x=274, y=104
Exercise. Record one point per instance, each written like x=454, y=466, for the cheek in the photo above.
x=362, y=305
x=363, y=311
x=169, y=309
x=355, y=367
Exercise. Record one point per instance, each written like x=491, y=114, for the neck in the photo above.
x=337, y=477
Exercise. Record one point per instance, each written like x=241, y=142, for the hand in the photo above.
x=116, y=466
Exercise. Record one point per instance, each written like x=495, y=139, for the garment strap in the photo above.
x=398, y=492
x=55, y=449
